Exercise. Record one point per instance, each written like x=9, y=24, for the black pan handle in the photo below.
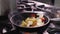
x=55, y=19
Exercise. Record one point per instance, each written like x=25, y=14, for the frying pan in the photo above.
x=17, y=19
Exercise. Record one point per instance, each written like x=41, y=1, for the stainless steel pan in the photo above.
x=16, y=20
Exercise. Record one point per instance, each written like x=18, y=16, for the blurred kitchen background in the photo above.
x=9, y=5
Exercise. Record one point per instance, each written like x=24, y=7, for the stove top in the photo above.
x=10, y=29
x=54, y=27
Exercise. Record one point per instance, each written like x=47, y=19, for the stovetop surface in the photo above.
x=10, y=29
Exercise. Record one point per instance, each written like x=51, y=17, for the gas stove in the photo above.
x=53, y=28
x=10, y=29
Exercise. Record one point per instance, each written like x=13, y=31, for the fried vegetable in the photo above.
x=33, y=22
x=23, y=24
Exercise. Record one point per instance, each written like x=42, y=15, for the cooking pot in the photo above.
x=18, y=17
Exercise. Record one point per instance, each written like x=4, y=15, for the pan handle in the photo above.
x=55, y=19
